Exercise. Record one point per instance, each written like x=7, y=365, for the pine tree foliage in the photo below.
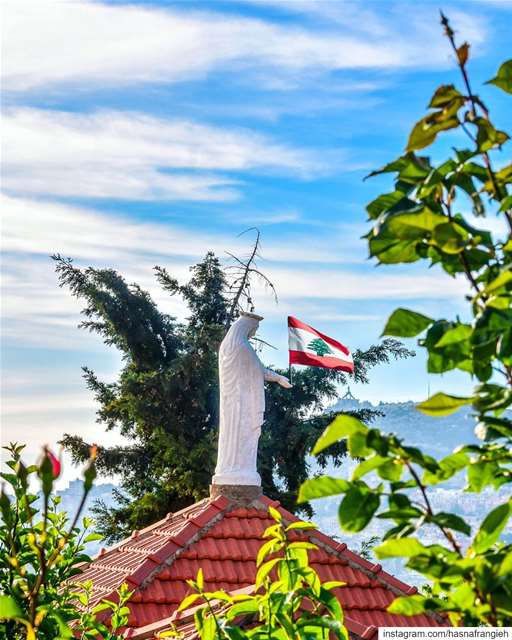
x=165, y=399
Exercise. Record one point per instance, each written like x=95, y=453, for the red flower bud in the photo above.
x=56, y=465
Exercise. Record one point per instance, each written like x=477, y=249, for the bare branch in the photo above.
x=244, y=270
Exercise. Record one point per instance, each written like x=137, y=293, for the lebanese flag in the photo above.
x=309, y=346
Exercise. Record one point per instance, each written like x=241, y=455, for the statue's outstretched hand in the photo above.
x=284, y=382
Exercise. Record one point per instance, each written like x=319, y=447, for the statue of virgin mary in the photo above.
x=242, y=404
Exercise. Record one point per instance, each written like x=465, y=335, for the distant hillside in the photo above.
x=437, y=436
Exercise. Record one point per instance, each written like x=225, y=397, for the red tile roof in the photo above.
x=223, y=540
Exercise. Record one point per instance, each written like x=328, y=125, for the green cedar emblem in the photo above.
x=319, y=346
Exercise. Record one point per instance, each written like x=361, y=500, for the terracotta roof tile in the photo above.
x=224, y=541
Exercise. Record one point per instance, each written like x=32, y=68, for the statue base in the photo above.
x=242, y=495
x=235, y=478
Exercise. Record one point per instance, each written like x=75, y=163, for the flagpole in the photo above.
x=289, y=354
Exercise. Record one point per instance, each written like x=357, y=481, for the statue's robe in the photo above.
x=242, y=405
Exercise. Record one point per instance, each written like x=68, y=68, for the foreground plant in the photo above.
x=290, y=601
x=41, y=551
x=423, y=219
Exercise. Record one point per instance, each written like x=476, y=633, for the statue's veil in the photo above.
x=238, y=334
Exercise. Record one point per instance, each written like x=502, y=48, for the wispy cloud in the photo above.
x=39, y=227
x=125, y=155
x=302, y=267
x=127, y=44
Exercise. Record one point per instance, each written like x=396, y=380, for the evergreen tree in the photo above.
x=165, y=400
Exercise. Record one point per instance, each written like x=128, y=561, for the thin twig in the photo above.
x=474, y=101
x=447, y=534
x=244, y=280
x=462, y=255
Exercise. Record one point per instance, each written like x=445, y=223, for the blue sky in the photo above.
x=151, y=132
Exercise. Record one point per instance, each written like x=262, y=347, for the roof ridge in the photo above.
x=136, y=533
x=193, y=530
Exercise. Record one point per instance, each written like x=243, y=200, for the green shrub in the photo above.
x=423, y=218
x=40, y=556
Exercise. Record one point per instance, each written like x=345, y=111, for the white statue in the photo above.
x=242, y=404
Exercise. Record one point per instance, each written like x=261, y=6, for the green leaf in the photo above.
x=459, y=333
x=92, y=537
x=264, y=570
x=46, y=474
x=334, y=584
x=425, y=132
x=409, y=226
x=444, y=95
x=400, y=547
x=266, y=549
x=275, y=514
x=389, y=202
x=452, y=521
x=341, y=427
x=357, y=445
x=464, y=596
x=391, y=470
x=302, y=545
x=488, y=137
x=491, y=527
x=322, y=487
x=481, y=474
x=243, y=608
x=389, y=250
x=450, y=237
x=414, y=166
x=408, y=605
x=406, y=324
x=506, y=565
x=442, y=404
x=368, y=465
x=200, y=579
x=448, y=467
x=358, y=507
x=503, y=78
x=10, y=609
x=301, y=525
x=503, y=279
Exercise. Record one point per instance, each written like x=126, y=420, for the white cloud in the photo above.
x=125, y=155
x=259, y=219
x=42, y=228
x=47, y=403
x=342, y=284
x=35, y=229
x=89, y=43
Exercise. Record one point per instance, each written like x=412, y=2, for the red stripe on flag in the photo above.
x=294, y=322
x=302, y=357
